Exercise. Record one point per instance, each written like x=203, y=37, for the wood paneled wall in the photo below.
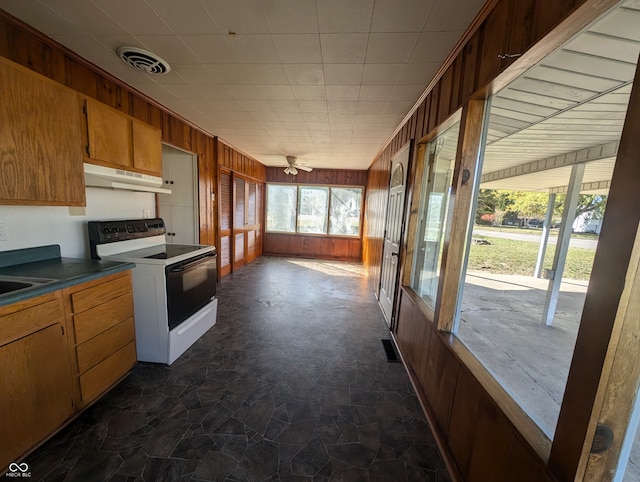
x=329, y=177
x=28, y=47
x=316, y=246
x=473, y=423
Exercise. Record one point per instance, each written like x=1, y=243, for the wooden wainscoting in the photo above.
x=315, y=246
x=474, y=424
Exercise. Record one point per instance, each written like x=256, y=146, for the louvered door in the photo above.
x=251, y=221
x=225, y=252
x=239, y=223
x=241, y=217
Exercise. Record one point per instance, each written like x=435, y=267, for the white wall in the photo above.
x=30, y=226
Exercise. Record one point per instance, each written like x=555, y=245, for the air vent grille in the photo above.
x=143, y=60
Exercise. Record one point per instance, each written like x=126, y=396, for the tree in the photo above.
x=592, y=206
x=491, y=200
x=530, y=204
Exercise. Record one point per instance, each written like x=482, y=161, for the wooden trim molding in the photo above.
x=620, y=377
x=455, y=235
x=580, y=409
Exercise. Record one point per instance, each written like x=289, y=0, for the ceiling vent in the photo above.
x=143, y=60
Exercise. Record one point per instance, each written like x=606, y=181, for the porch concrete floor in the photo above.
x=292, y=383
x=501, y=323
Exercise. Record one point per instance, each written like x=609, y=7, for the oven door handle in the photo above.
x=192, y=264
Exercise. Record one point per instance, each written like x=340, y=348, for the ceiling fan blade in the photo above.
x=304, y=168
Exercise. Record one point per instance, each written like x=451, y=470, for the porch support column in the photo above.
x=546, y=228
x=562, y=246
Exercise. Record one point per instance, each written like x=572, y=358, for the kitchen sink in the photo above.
x=11, y=284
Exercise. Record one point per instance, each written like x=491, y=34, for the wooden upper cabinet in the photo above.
x=109, y=134
x=40, y=140
x=117, y=140
x=147, y=148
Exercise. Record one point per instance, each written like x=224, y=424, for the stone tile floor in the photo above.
x=291, y=384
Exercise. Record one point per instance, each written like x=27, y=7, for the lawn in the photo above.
x=507, y=256
x=514, y=229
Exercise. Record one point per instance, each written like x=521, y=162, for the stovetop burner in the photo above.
x=174, y=250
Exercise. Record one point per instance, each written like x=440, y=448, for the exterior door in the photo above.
x=393, y=233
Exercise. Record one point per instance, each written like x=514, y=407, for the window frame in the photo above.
x=328, y=212
x=414, y=221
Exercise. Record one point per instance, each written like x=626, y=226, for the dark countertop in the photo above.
x=45, y=262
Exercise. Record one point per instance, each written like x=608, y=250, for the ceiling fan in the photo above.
x=293, y=166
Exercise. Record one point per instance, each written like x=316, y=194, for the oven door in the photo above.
x=190, y=285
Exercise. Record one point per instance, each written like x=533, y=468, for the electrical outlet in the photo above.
x=146, y=214
x=3, y=232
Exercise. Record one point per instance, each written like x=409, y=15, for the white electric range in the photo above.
x=174, y=285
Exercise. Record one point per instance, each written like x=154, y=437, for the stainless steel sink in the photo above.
x=11, y=284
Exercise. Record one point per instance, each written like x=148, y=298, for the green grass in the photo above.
x=513, y=229
x=507, y=256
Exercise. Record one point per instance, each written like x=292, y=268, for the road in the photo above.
x=535, y=238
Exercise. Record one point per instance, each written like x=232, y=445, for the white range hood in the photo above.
x=111, y=178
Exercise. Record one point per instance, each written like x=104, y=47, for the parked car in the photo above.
x=535, y=223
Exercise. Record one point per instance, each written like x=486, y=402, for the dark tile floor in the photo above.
x=291, y=384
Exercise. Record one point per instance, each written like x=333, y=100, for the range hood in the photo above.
x=109, y=177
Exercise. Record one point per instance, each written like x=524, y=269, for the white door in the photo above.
x=393, y=232
x=179, y=210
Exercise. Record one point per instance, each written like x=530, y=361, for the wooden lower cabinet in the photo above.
x=36, y=396
x=101, y=334
x=59, y=352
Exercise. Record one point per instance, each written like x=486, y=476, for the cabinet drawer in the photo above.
x=29, y=320
x=107, y=372
x=90, y=297
x=93, y=351
x=96, y=320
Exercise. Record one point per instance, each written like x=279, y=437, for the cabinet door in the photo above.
x=147, y=148
x=40, y=140
x=36, y=390
x=109, y=134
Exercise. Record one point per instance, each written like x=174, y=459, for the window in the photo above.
x=281, y=210
x=436, y=184
x=344, y=217
x=305, y=209
x=312, y=209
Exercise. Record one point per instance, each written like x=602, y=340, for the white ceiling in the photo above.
x=327, y=81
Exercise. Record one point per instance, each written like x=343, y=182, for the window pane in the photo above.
x=345, y=211
x=436, y=184
x=313, y=204
x=534, y=235
x=281, y=208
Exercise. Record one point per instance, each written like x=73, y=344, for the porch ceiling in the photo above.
x=561, y=109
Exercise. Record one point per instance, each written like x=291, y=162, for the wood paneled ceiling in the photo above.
x=569, y=108
x=327, y=81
